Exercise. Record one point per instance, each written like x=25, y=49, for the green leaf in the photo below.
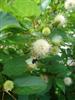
x=19, y=39
x=4, y=57
x=15, y=66
x=1, y=79
x=6, y=20
x=29, y=85
x=27, y=97
x=58, y=68
x=61, y=97
x=52, y=65
x=45, y=97
x=25, y=8
x=60, y=84
x=23, y=97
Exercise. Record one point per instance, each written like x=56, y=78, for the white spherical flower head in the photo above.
x=57, y=39
x=67, y=81
x=8, y=85
x=60, y=19
x=40, y=48
x=69, y=4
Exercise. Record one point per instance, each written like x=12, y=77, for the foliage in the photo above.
x=22, y=22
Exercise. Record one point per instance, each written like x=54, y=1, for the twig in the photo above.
x=10, y=95
x=3, y=96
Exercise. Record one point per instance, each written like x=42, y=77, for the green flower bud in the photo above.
x=46, y=31
x=8, y=85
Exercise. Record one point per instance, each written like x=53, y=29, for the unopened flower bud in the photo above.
x=8, y=85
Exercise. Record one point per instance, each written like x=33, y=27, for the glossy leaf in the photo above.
x=29, y=85
x=15, y=66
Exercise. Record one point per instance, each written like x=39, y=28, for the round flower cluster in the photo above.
x=8, y=85
x=67, y=81
x=69, y=4
x=40, y=48
x=60, y=19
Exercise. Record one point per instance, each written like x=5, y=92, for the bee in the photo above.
x=34, y=61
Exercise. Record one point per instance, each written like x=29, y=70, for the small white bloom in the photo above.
x=65, y=47
x=73, y=35
x=59, y=54
x=57, y=39
x=71, y=62
x=67, y=81
x=60, y=19
x=40, y=48
x=69, y=4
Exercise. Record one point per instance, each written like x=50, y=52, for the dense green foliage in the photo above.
x=22, y=22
